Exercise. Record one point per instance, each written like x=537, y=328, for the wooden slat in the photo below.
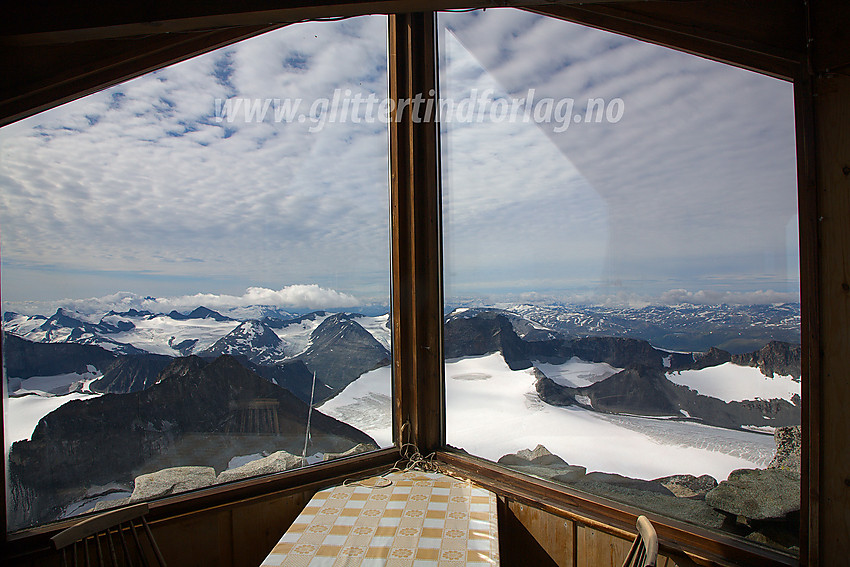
x=810, y=326
x=98, y=523
x=416, y=250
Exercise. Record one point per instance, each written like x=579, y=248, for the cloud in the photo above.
x=141, y=178
x=713, y=297
x=298, y=296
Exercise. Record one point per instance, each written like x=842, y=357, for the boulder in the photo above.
x=109, y=504
x=690, y=510
x=278, y=461
x=757, y=494
x=171, y=481
x=531, y=454
x=540, y=462
x=688, y=486
x=625, y=482
x=788, y=445
x=359, y=448
x=539, y=456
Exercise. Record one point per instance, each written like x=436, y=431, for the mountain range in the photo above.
x=202, y=387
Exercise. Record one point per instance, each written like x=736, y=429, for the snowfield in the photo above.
x=296, y=336
x=23, y=413
x=367, y=405
x=492, y=410
x=157, y=334
x=732, y=383
x=377, y=327
x=576, y=373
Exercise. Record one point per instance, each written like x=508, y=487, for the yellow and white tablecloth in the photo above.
x=421, y=519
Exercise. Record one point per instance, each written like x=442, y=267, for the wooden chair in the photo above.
x=112, y=538
x=644, y=551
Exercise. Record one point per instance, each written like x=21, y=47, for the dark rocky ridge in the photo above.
x=199, y=313
x=341, y=350
x=24, y=359
x=775, y=357
x=647, y=391
x=114, y=438
x=131, y=373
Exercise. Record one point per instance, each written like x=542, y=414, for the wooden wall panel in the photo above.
x=597, y=549
x=196, y=540
x=832, y=121
x=257, y=527
x=528, y=536
x=830, y=544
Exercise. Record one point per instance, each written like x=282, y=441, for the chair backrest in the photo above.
x=644, y=551
x=114, y=538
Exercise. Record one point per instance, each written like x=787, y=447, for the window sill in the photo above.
x=611, y=517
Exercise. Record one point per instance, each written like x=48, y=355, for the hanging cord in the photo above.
x=309, y=415
x=411, y=460
x=410, y=454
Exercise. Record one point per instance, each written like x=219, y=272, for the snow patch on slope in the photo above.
x=732, y=383
x=366, y=404
x=577, y=373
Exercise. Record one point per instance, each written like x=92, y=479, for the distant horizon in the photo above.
x=301, y=299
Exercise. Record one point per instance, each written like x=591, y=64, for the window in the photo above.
x=195, y=273
x=621, y=270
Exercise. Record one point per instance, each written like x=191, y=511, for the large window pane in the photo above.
x=188, y=260
x=621, y=270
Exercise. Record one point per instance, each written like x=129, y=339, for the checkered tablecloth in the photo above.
x=421, y=519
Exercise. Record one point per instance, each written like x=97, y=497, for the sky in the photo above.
x=688, y=195
x=138, y=191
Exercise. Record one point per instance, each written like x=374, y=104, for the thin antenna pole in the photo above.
x=309, y=415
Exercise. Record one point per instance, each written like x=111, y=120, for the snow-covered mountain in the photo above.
x=267, y=340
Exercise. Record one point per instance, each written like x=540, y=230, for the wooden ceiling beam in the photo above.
x=769, y=36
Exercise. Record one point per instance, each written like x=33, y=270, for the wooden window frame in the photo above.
x=417, y=261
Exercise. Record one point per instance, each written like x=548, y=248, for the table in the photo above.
x=421, y=519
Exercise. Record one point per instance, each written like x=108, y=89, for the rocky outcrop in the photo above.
x=171, y=481
x=295, y=377
x=776, y=357
x=195, y=406
x=788, y=449
x=688, y=486
x=712, y=357
x=644, y=390
x=654, y=495
x=757, y=494
x=131, y=373
x=651, y=496
x=356, y=450
x=278, y=461
x=540, y=462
